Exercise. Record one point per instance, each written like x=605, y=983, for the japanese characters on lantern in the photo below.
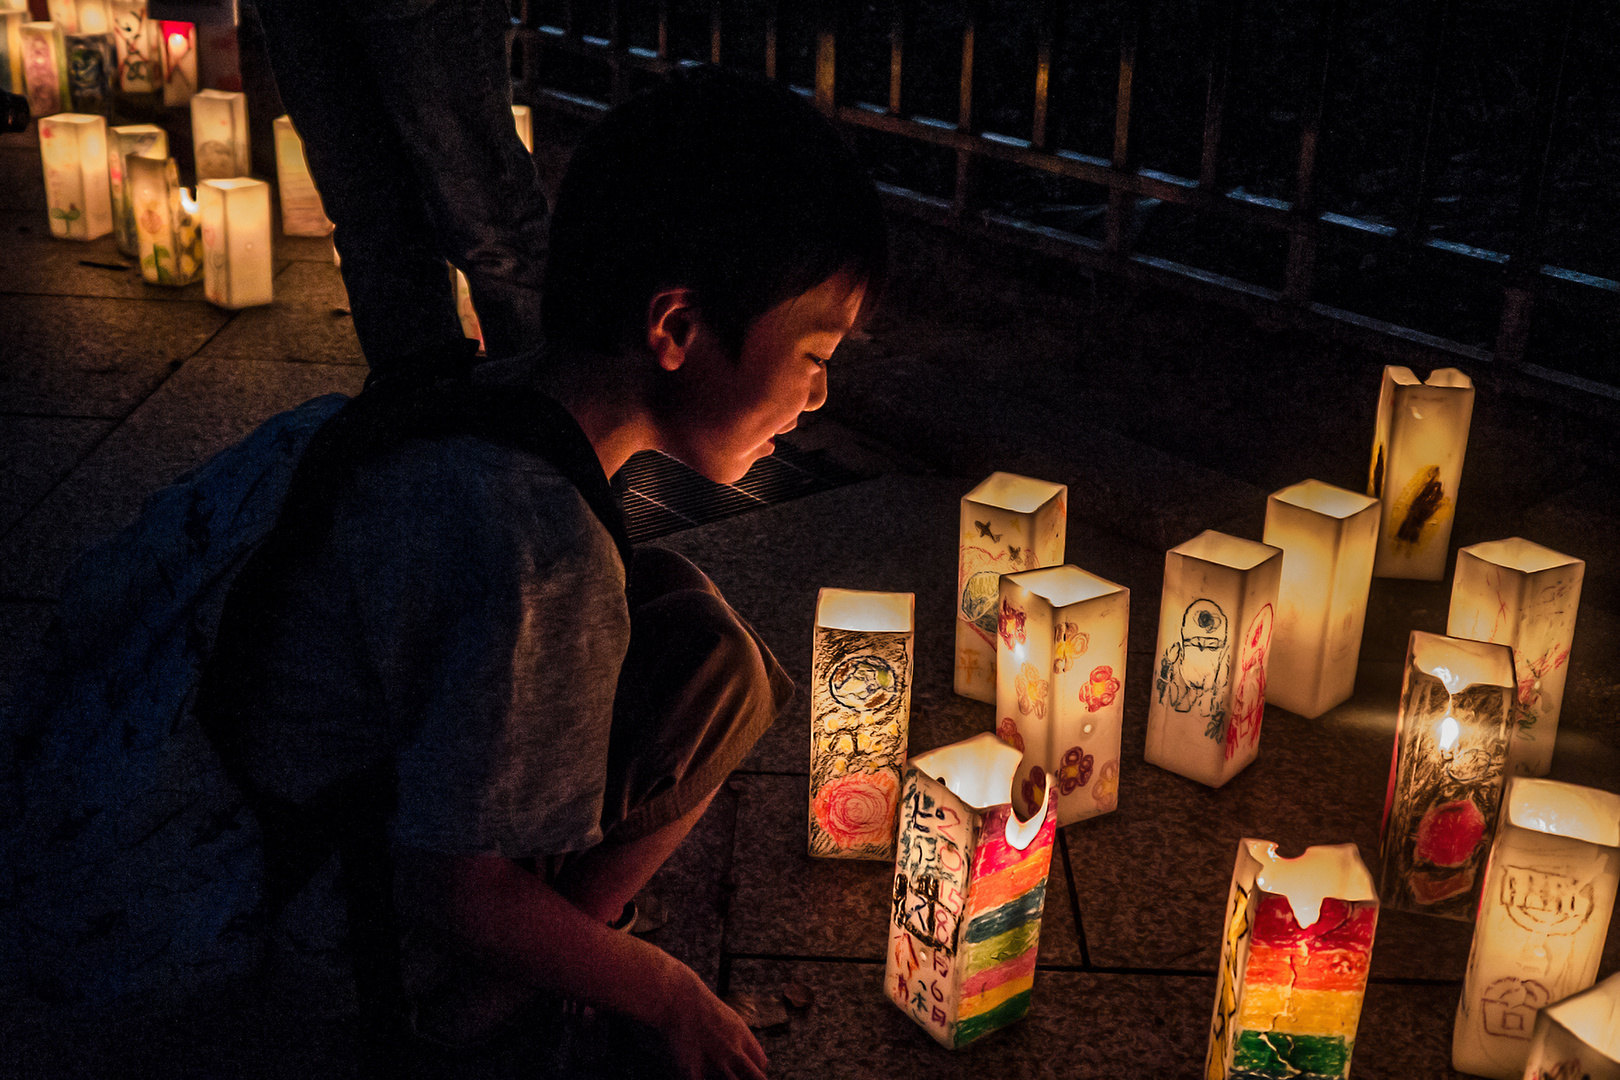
x=219, y=134
x=1060, y=666
x=1009, y=523
x=1418, y=448
x=1578, y=1038
x=138, y=140
x=236, y=241
x=1445, y=783
x=1295, y=952
x=1543, y=915
x=860, y=710
x=1524, y=596
x=969, y=891
x=73, y=149
x=301, y=211
x=167, y=229
x=45, y=69
x=1209, y=682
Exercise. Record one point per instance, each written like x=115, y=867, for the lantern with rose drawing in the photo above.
x=1418, y=447
x=73, y=149
x=1578, y=1038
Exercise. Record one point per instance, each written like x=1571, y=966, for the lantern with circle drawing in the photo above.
x=236, y=241
x=1445, y=778
x=1578, y=1038
x=179, y=61
x=301, y=211
x=139, y=47
x=1294, y=958
x=1060, y=666
x=73, y=149
x=219, y=134
x=1327, y=536
x=167, y=228
x=1524, y=596
x=1216, y=618
x=45, y=68
x=1009, y=523
x=1543, y=916
x=860, y=710
x=1418, y=447
x=139, y=140
x=969, y=891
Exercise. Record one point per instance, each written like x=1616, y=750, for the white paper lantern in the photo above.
x=236, y=241
x=140, y=140
x=73, y=149
x=1578, y=1038
x=179, y=62
x=301, y=211
x=11, y=52
x=1417, y=461
x=45, y=68
x=139, y=45
x=219, y=134
x=167, y=226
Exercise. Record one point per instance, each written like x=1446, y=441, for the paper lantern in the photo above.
x=523, y=117
x=90, y=72
x=219, y=134
x=167, y=230
x=860, y=709
x=1524, y=596
x=1578, y=1038
x=94, y=16
x=1543, y=916
x=1294, y=957
x=1009, y=523
x=301, y=211
x=1328, y=536
x=236, y=241
x=45, y=68
x=139, y=46
x=1417, y=461
x=1216, y=617
x=969, y=889
x=179, y=62
x=139, y=140
x=1060, y=665
x=11, y=52
x=1445, y=778
x=73, y=149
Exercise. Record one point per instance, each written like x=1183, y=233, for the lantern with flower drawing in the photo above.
x=860, y=710
x=219, y=134
x=1445, y=779
x=1060, y=664
x=138, y=140
x=1543, y=916
x=301, y=211
x=73, y=149
x=969, y=891
x=167, y=229
x=1009, y=523
x=1209, y=681
x=236, y=241
x=1418, y=447
x=1578, y=1038
x=1525, y=596
x=45, y=71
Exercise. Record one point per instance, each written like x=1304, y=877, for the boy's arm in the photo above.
x=523, y=926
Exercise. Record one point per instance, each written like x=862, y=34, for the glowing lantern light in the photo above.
x=94, y=17
x=73, y=149
x=1209, y=684
x=45, y=69
x=219, y=134
x=166, y=225
x=11, y=51
x=301, y=211
x=179, y=62
x=138, y=140
x=236, y=241
x=1060, y=664
x=139, y=44
x=969, y=891
x=1578, y=1038
x=1418, y=449
x=1445, y=780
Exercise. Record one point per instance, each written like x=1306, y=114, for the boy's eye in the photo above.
x=819, y=361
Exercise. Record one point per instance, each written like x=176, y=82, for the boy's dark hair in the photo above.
x=727, y=184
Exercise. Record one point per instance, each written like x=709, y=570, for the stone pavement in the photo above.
x=1164, y=416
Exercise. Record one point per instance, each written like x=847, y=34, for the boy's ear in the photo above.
x=672, y=326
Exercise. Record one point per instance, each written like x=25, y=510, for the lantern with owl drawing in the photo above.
x=1418, y=447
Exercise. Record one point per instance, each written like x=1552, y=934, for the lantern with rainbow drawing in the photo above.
x=1418, y=447
x=73, y=149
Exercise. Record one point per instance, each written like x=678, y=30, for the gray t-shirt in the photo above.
x=468, y=602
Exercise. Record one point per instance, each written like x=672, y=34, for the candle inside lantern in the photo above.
x=166, y=222
x=1060, y=666
x=139, y=47
x=1525, y=596
x=969, y=891
x=1209, y=683
x=179, y=62
x=1295, y=952
x=860, y=710
x=523, y=117
x=139, y=140
x=219, y=134
x=1543, y=916
x=236, y=241
x=73, y=149
x=1445, y=781
x=301, y=211
x=1578, y=1038
x=1418, y=447
x=1328, y=536
x=1008, y=523
x=45, y=68
x=94, y=17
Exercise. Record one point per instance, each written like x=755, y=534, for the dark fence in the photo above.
x=1437, y=178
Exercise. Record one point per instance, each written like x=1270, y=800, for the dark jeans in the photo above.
x=407, y=125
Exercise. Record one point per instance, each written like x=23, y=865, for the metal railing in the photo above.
x=612, y=47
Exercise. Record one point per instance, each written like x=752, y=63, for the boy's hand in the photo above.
x=707, y=1039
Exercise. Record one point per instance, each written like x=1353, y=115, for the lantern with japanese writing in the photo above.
x=73, y=149
x=166, y=222
x=219, y=134
x=301, y=211
x=1525, y=596
x=1418, y=447
x=1009, y=523
x=236, y=241
x=45, y=68
x=1327, y=536
x=1294, y=957
x=969, y=890
x=1060, y=665
x=1578, y=1038
x=1209, y=682
x=139, y=46
x=1543, y=915
x=138, y=140
x=860, y=710
x=1445, y=778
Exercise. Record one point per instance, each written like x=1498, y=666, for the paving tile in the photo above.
x=22, y=630
x=1584, y=522
x=36, y=452
x=204, y=407
x=309, y=321
x=79, y=356
x=22, y=180
x=38, y=263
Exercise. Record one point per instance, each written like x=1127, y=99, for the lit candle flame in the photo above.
x=1444, y=675
x=176, y=42
x=1449, y=730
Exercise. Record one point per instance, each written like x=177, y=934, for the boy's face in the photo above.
x=726, y=414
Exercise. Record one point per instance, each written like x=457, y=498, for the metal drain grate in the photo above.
x=663, y=496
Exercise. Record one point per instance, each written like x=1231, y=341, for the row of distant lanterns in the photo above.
x=1469, y=831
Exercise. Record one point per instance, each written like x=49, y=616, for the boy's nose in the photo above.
x=818, y=391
